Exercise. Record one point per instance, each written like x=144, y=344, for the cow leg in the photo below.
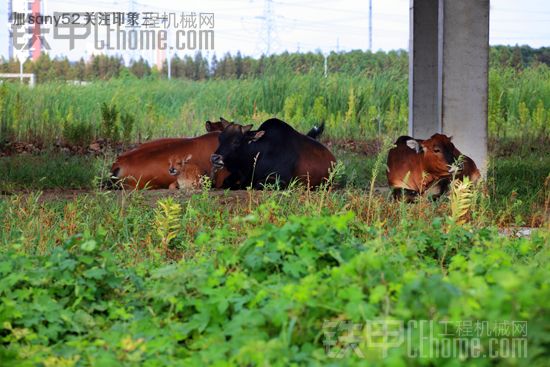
x=407, y=195
x=273, y=180
x=233, y=181
x=439, y=189
x=281, y=176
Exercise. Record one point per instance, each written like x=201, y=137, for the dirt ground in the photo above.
x=151, y=196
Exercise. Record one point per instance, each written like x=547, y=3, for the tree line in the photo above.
x=237, y=66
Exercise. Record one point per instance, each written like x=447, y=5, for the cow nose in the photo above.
x=216, y=159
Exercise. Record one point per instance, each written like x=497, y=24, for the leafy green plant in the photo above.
x=127, y=122
x=167, y=220
x=461, y=199
x=74, y=288
x=4, y=128
x=76, y=133
x=109, y=122
x=254, y=287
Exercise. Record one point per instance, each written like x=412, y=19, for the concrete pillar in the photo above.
x=449, y=53
x=464, y=38
x=424, y=113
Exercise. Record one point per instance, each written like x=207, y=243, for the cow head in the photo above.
x=438, y=152
x=177, y=164
x=216, y=126
x=231, y=141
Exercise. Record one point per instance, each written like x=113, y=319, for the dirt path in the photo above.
x=150, y=195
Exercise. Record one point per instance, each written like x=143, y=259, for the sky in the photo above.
x=304, y=25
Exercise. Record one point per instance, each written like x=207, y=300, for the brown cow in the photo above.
x=147, y=165
x=209, y=126
x=187, y=173
x=416, y=166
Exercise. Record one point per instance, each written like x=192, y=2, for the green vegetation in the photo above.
x=267, y=278
x=50, y=171
x=516, y=180
x=364, y=96
x=237, y=66
x=351, y=106
x=110, y=279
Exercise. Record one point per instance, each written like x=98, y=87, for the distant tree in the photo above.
x=140, y=68
x=198, y=67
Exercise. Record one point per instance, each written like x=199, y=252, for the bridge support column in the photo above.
x=448, y=71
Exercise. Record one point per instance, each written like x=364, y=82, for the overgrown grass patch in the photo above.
x=265, y=282
x=48, y=171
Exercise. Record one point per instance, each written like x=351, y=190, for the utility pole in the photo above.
x=326, y=65
x=269, y=27
x=169, y=57
x=268, y=24
x=370, y=25
x=10, y=31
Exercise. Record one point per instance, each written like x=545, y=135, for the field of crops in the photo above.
x=340, y=276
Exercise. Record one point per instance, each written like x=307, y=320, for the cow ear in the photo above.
x=451, y=137
x=257, y=136
x=246, y=128
x=413, y=144
x=224, y=122
x=188, y=158
x=208, y=126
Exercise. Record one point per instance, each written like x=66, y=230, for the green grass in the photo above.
x=50, y=171
x=181, y=107
x=250, y=278
x=517, y=178
x=353, y=106
x=118, y=279
x=264, y=277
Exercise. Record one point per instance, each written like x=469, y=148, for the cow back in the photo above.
x=147, y=165
x=314, y=162
x=406, y=168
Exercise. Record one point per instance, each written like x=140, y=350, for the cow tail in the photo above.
x=316, y=132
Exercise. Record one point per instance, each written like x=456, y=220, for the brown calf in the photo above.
x=188, y=174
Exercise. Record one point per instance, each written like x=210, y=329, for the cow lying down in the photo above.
x=274, y=154
x=188, y=175
x=174, y=162
x=416, y=166
x=148, y=165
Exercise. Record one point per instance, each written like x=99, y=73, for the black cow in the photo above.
x=273, y=154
